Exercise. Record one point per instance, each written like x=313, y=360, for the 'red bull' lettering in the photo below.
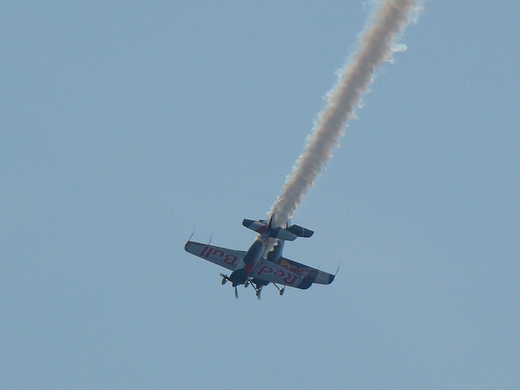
x=287, y=278
x=279, y=273
x=265, y=269
x=203, y=252
x=228, y=258
x=290, y=280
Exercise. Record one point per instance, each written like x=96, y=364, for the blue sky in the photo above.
x=126, y=125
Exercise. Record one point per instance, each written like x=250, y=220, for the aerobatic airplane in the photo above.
x=259, y=266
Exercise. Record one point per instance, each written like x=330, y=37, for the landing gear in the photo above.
x=255, y=283
x=280, y=290
x=258, y=292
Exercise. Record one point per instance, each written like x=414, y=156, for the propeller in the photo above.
x=236, y=292
x=225, y=278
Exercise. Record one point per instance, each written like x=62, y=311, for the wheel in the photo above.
x=282, y=291
x=224, y=280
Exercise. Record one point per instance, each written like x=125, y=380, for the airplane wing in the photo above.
x=224, y=257
x=271, y=272
x=311, y=275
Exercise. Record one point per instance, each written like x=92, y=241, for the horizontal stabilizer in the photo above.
x=282, y=234
x=300, y=231
x=257, y=226
x=288, y=234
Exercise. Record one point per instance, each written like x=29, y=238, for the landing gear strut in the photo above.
x=280, y=290
x=258, y=292
x=257, y=286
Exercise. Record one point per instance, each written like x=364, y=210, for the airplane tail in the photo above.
x=300, y=231
x=290, y=233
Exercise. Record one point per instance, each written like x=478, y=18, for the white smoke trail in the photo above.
x=375, y=46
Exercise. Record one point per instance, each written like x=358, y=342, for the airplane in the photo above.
x=263, y=262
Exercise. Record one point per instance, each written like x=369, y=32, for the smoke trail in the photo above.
x=375, y=47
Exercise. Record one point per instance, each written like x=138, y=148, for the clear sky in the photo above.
x=125, y=125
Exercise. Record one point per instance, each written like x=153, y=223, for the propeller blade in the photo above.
x=224, y=279
x=236, y=292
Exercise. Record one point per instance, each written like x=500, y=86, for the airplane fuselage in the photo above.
x=245, y=268
x=255, y=251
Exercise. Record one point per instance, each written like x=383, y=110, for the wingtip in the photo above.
x=332, y=277
x=189, y=241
